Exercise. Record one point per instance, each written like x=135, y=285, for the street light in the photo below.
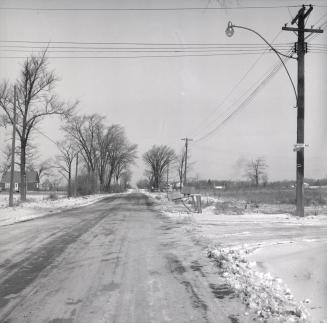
x=230, y=32
x=299, y=179
x=230, y=29
x=301, y=49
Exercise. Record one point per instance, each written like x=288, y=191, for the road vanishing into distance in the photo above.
x=118, y=260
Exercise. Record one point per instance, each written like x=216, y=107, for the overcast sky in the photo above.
x=160, y=100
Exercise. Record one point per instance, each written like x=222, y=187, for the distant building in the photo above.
x=217, y=187
x=32, y=179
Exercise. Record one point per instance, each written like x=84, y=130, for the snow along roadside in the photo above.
x=31, y=210
x=265, y=295
x=262, y=293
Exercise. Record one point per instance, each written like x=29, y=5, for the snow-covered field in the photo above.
x=276, y=262
x=39, y=205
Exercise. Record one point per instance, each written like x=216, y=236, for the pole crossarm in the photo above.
x=320, y=31
x=279, y=54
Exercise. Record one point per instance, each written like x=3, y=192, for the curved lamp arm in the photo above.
x=230, y=33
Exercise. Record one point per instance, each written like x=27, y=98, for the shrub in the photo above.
x=53, y=196
x=228, y=207
x=86, y=184
x=116, y=188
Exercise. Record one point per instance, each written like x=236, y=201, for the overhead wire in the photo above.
x=253, y=93
x=243, y=104
x=157, y=46
x=73, y=42
x=104, y=9
x=233, y=89
x=46, y=136
x=136, y=56
x=136, y=48
x=230, y=110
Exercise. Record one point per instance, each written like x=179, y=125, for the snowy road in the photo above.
x=117, y=260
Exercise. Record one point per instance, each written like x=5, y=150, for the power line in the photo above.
x=235, y=87
x=48, y=43
x=137, y=56
x=147, y=8
x=179, y=50
x=243, y=104
x=157, y=47
x=46, y=136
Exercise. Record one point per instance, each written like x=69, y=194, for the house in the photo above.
x=32, y=179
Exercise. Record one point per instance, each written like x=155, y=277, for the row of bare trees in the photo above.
x=106, y=152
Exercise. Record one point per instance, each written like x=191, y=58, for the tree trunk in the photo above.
x=101, y=175
x=156, y=181
x=23, y=183
x=69, y=188
x=109, y=180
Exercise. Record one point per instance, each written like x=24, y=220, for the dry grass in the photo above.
x=268, y=200
x=275, y=196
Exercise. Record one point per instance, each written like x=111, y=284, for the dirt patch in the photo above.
x=175, y=265
x=196, y=300
x=233, y=319
x=221, y=291
x=195, y=266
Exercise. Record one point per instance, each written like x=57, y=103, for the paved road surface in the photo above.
x=118, y=260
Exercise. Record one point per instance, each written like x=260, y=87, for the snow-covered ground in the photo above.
x=39, y=205
x=276, y=262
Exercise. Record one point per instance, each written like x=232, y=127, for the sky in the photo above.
x=160, y=100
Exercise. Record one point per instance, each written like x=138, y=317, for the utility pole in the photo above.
x=167, y=179
x=186, y=155
x=301, y=49
x=13, y=148
x=76, y=170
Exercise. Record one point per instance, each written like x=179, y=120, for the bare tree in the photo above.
x=149, y=177
x=31, y=153
x=125, y=178
x=103, y=138
x=35, y=101
x=5, y=159
x=125, y=159
x=44, y=168
x=83, y=130
x=68, y=152
x=157, y=160
x=120, y=155
x=256, y=170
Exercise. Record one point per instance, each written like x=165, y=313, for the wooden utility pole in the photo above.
x=13, y=148
x=301, y=49
x=186, y=154
x=167, y=179
x=76, y=170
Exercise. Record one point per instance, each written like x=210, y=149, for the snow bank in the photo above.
x=39, y=207
x=269, y=297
